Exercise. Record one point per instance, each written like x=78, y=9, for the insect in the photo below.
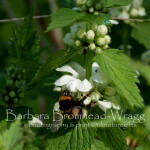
x=69, y=105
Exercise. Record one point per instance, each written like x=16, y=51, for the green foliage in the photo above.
x=24, y=41
x=54, y=61
x=79, y=138
x=141, y=33
x=11, y=139
x=65, y=17
x=147, y=117
x=98, y=145
x=117, y=3
x=143, y=69
x=2, y=81
x=122, y=76
x=113, y=138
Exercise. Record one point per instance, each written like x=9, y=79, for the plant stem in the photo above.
x=88, y=63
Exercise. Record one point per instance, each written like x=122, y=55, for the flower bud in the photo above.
x=79, y=2
x=81, y=34
x=109, y=91
x=107, y=39
x=98, y=50
x=78, y=43
x=92, y=46
x=6, y=98
x=134, y=12
x=105, y=46
x=12, y=94
x=98, y=6
x=89, y=3
x=101, y=41
x=102, y=30
x=90, y=35
x=84, y=7
x=141, y=11
x=95, y=96
x=91, y=10
x=96, y=13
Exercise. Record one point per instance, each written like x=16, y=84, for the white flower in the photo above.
x=35, y=122
x=78, y=43
x=98, y=50
x=107, y=105
x=81, y=34
x=101, y=41
x=137, y=3
x=102, y=30
x=76, y=81
x=115, y=22
x=90, y=35
x=141, y=11
x=124, y=15
x=134, y=12
x=56, y=107
x=92, y=46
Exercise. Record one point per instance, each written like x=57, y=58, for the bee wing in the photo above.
x=57, y=123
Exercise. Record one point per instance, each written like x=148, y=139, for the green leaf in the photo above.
x=64, y=17
x=11, y=139
x=147, y=118
x=122, y=76
x=113, y=138
x=141, y=33
x=2, y=81
x=98, y=145
x=54, y=61
x=143, y=69
x=117, y=3
x=79, y=138
x=24, y=41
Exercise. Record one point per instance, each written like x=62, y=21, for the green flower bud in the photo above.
x=107, y=39
x=90, y=35
x=105, y=46
x=102, y=30
x=6, y=98
x=21, y=95
x=12, y=94
x=78, y=43
x=96, y=13
x=84, y=7
x=92, y=46
x=81, y=34
x=109, y=91
x=98, y=6
x=101, y=41
x=89, y=3
x=98, y=50
x=134, y=12
x=91, y=10
x=79, y=2
x=15, y=100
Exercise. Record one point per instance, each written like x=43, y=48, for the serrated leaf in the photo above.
x=11, y=139
x=141, y=33
x=143, y=69
x=113, y=138
x=64, y=17
x=117, y=3
x=98, y=145
x=79, y=138
x=54, y=61
x=122, y=76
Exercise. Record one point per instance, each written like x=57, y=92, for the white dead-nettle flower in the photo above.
x=35, y=122
x=90, y=35
x=102, y=30
x=124, y=15
x=114, y=22
x=77, y=81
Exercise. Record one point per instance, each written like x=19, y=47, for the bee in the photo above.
x=69, y=106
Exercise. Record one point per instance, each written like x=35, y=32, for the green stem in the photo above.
x=125, y=39
x=88, y=63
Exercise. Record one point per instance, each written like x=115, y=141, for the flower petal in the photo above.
x=99, y=78
x=72, y=86
x=95, y=67
x=56, y=106
x=84, y=86
x=87, y=101
x=79, y=69
x=69, y=69
x=64, y=80
x=35, y=122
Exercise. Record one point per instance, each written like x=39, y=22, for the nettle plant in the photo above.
x=94, y=78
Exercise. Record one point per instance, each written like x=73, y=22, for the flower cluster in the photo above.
x=91, y=36
x=79, y=86
x=90, y=6
x=14, y=91
x=134, y=10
